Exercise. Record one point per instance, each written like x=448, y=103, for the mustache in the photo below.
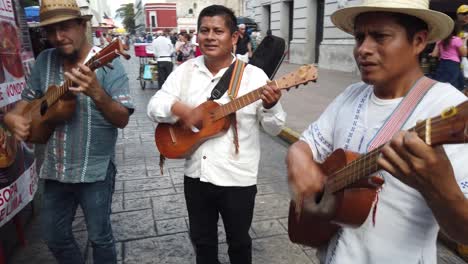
x=223, y=48
x=71, y=57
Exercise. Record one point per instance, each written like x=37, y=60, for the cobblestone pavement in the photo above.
x=149, y=217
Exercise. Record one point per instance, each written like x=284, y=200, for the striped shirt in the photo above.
x=80, y=149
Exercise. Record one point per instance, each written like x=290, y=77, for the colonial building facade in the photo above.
x=186, y=11
x=309, y=33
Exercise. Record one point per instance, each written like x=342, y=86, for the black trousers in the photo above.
x=164, y=69
x=205, y=202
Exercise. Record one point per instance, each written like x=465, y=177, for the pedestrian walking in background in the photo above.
x=243, y=47
x=185, y=49
x=450, y=51
x=78, y=168
x=149, y=37
x=221, y=175
x=462, y=20
x=163, y=50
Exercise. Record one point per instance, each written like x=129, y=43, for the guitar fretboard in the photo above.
x=447, y=128
x=238, y=103
x=51, y=98
x=355, y=171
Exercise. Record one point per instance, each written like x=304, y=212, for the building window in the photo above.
x=190, y=11
x=153, y=21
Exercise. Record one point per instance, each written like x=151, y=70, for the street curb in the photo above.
x=289, y=135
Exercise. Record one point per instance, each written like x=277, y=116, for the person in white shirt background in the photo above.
x=425, y=188
x=163, y=51
x=218, y=179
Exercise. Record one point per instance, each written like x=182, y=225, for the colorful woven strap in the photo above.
x=401, y=114
x=236, y=78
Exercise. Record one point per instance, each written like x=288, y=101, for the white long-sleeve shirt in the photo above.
x=405, y=229
x=215, y=161
x=163, y=48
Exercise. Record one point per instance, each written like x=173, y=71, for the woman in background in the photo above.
x=185, y=50
x=449, y=51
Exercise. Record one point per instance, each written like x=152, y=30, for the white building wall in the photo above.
x=101, y=8
x=302, y=44
x=336, y=50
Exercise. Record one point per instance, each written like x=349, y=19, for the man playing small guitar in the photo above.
x=425, y=187
x=78, y=165
x=220, y=176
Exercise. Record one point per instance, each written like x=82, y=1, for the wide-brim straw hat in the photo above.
x=439, y=24
x=55, y=11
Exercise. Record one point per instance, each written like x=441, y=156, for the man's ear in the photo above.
x=235, y=37
x=420, y=41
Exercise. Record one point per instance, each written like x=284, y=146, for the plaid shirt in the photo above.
x=80, y=149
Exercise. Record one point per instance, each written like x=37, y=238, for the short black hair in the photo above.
x=411, y=24
x=219, y=10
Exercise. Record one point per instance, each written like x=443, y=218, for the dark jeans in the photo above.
x=164, y=69
x=59, y=206
x=449, y=71
x=205, y=202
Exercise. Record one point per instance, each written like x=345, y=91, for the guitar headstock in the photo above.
x=108, y=54
x=303, y=75
x=450, y=127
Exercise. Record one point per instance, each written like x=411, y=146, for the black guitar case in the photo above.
x=269, y=55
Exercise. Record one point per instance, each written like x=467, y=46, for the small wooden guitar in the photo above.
x=58, y=104
x=350, y=191
x=175, y=141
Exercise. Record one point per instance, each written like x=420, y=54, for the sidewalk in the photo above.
x=306, y=103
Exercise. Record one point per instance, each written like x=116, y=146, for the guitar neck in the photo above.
x=448, y=128
x=358, y=169
x=303, y=75
x=238, y=103
x=64, y=88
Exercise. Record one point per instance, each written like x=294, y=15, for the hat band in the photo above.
x=417, y=4
x=60, y=12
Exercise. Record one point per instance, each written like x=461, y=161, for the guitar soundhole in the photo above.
x=318, y=197
x=44, y=107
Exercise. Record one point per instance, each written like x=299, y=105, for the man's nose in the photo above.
x=57, y=34
x=366, y=46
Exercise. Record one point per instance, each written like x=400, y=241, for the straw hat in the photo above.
x=55, y=11
x=439, y=24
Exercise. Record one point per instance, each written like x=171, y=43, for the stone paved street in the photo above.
x=149, y=215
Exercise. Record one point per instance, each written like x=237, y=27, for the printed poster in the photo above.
x=18, y=177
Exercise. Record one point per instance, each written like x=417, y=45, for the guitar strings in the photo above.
x=53, y=97
x=355, y=169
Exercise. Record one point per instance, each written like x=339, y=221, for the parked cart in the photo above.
x=148, y=69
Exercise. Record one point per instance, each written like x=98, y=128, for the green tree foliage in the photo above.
x=126, y=12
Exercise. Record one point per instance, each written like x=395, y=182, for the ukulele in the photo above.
x=350, y=190
x=58, y=104
x=175, y=141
